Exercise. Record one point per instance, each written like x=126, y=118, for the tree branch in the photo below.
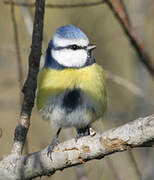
x=31, y=82
x=16, y=42
x=138, y=133
x=121, y=14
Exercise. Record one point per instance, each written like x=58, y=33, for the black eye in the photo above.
x=74, y=47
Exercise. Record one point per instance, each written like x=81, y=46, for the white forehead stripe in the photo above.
x=61, y=42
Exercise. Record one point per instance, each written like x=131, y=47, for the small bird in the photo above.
x=71, y=86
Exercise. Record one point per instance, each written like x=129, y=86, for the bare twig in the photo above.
x=125, y=83
x=19, y=60
x=132, y=158
x=31, y=82
x=16, y=40
x=1, y=132
x=27, y=19
x=120, y=12
x=133, y=88
x=113, y=168
x=58, y=6
x=81, y=173
x=138, y=133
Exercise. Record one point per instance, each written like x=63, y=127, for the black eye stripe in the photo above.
x=76, y=47
x=73, y=47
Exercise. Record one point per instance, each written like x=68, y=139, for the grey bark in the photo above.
x=138, y=133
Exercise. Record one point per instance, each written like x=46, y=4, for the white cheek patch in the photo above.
x=69, y=57
x=59, y=42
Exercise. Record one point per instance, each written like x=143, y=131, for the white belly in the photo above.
x=78, y=112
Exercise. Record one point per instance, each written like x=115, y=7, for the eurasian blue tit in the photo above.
x=71, y=86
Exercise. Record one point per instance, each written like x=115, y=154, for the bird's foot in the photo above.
x=54, y=143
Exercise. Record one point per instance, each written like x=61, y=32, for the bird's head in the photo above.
x=69, y=48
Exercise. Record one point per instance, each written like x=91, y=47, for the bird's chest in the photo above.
x=70, y=83
x=70, y=97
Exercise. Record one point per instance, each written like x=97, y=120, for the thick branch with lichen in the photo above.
x=138, y=133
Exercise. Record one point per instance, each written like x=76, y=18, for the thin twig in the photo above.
x=31, y=82
x=58, y=6
x=17, y=47
x=19, y=60
x=113, y=169
x=117, y=7
x=27, y=20
x=1, y=132
x=132, y=158
x=125, y=83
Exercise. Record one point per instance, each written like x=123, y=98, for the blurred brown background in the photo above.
x=117, y=56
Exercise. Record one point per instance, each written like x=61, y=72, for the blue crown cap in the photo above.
x=70, y=32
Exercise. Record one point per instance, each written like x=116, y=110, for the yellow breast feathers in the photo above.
x=89, y=79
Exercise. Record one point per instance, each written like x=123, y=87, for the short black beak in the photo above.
x=91, y=47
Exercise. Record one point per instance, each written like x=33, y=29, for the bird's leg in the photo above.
x=54, y=142
x=83, y=132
